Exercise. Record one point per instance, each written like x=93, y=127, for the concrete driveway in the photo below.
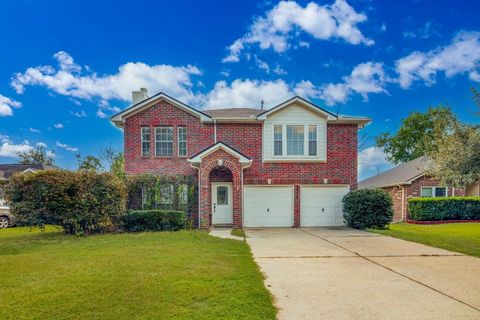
x=339, y=273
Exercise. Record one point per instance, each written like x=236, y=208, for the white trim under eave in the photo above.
x=244, y=161
x=119, y=118
x=302, y=102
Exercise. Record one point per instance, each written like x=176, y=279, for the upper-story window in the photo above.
x=278, y=140
x=145, y=141
x=312, y=140
x=182, y=141
x=164, y=141
x=295, y=140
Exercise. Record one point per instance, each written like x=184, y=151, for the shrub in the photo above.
x=449, y=208
x=154, y=220
x=367, y=208
x=173, y=192
x=81, y=202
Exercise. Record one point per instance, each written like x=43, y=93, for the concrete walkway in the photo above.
x=224, y=234
x=339, y=273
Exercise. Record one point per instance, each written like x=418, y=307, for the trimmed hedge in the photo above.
x=153, y=220
x=367, y=208
x=81, y=202
x=444, y=208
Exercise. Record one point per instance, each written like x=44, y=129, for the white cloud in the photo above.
x=373, y=160
x=365, y=78
x=79, y=114
x=461, y=56
x=66, y=147
x=34, y=130
x=41, y=144
x=280, y=25
x=7, y=105
x=8, y=149
x=72, y=80
x=101, y=114
x=247, y=93
x=58, y=126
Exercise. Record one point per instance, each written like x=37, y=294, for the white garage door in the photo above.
x=268, y=206
x=321, y=205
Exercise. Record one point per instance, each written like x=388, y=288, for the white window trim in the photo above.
x=155, y=142
x=305, y=141
x=433, y=191
x=178, y=141
x=149, y=140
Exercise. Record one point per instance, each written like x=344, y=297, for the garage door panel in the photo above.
x=321, y=205
x=268, y=206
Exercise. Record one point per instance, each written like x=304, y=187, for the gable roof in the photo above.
x=243, y=159
x=301, y=101
x=9, y=169
x=402, y=174
x=233, y=114
x=120, y=117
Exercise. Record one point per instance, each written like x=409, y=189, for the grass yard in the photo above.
x=459, y=237
x=180, y=275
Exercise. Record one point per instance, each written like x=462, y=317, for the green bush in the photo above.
x=81, y=202
x=153, y=220
x=444, y=208
x=367, y=208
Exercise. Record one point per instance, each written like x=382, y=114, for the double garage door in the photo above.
x=273, y=206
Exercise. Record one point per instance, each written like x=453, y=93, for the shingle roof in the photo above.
x=233, y=113
x=402, y=174
x=7, y=170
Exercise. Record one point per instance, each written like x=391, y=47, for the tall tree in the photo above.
x=456, y=160
x=36, y=156
x=89, y=163
x=416, y=135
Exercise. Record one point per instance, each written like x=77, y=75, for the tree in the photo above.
x=89, y=163
x=456, y=160
x=476, y=97
x=416, y=136
x=36, y=156
x=118, y=166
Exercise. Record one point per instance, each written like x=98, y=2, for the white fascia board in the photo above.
x=297, y=100
x=219, y=145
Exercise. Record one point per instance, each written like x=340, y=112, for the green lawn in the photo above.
x=180, y=275
x=459, y=237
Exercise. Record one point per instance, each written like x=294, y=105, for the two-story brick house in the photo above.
x=288, y=166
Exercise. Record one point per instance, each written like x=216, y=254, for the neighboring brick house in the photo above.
x=284, y=167
x=409, y=180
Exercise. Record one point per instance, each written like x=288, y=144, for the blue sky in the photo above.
x=67, y=66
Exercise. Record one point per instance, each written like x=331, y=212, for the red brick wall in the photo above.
x=412, y=191
x=341, y=165
x=199, y=136
x=397, y=196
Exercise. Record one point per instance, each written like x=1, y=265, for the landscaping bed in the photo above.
x=152, y=275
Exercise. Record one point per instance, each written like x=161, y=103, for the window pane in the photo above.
x=183, y=194
x=440, y=192
x=222, y=195
x=312, y=140
x=277, y=140
x=164, y=141
x=165, y=196
x=426, y=192
x=182, y=141
x=295, y=140
x=145, y=141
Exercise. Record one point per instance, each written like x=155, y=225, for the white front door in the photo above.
x=222, y=203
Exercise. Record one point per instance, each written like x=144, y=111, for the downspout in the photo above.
x=403, y=203
x=199, y=197
x=214, y=131
x=243, y=198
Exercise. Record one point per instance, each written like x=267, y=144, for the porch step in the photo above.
x=222, y=226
